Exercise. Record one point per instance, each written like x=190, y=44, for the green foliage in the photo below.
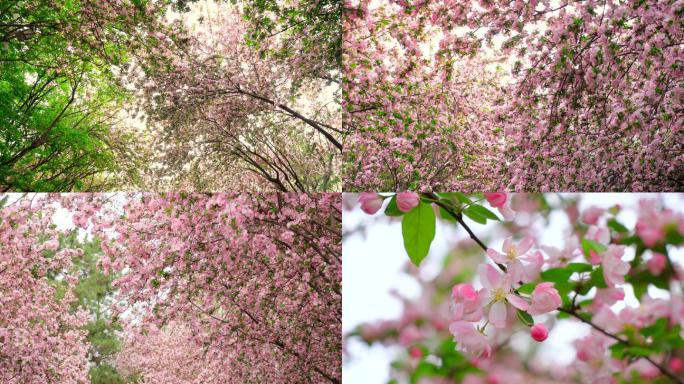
x=452, y=363
x=525, y=318
x=94, y=293
x=305, y=28
x=105, y=374
x=392, y=209
x=59, y=95
x=479, y=214
x=617, y=226
x=418, y=230
x=590, y=245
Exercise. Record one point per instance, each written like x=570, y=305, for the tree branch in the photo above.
x=316, y=125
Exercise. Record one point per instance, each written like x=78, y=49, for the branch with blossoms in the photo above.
x=520, y=285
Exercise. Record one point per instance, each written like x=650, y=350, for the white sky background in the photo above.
x=372, y=267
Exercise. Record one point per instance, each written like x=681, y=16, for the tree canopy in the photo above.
x=137, y=94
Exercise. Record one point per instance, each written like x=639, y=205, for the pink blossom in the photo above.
x=656, y=263
x=370, y=202
x=415, y=352
x=522, y=266
x=607, y=296
x=592, y=214
x=649, y=233
x=561, y=257
x=539, y=332
x=598, y=234
x=644, y=368
x=545, y=298
x=595, y=364
x=467, y=306
x=469, y=339
x=496, y=199
x=675, y=364
x=406, y=201
x=410, y=335
x=614, y=269
x=507, y=212
x=496, y=293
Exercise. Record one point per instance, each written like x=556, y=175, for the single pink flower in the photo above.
x=650, y=235
x=467, y=306
x=539, y=332
x=496, y=199
x=545, y=298
x=469, y=339
x=406, y=201
x=416, y=352
x=614, y=269
x=606, y=296
x=592, y=214
x=507, y=212
x=605, y=318
x=598, y=234
x=675, y=364
x=656, y=263
x=561, y=257
x=522, y=266
x=496, y=292
x=370, y=202
x=650, y=232
x=410, y=335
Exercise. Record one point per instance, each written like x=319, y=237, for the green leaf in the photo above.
x=638, y=351
x=525, y=318
x=597, y=278
x=617, y=226
x=591, y=245
x=656, y=330
x=392, y=210
x=579, y=267
x=527, y=288
x=446, y=215
x=418, y=230
x=482, y=211
x=557, y=275
x=474, y=215
x=463, y=198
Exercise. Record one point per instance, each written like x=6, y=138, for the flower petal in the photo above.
x=496, y=256
x=497, y=314
x=517, y=301
x=489, y=276
x=508, y=245
x=525, y=244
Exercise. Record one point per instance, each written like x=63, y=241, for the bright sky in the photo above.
x=372, y=268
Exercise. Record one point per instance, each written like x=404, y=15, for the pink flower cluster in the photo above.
x=589, y=99
x=250, y=279
x=497, y=298
x=41, y=337
x=605, y=259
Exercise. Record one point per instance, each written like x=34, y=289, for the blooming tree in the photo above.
x=234, y=113
x=60, y=93
x=40, y=336
x=169, y=355
x=588, y=94
x=459, y=329
x=418, y=117
x=253, y=282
